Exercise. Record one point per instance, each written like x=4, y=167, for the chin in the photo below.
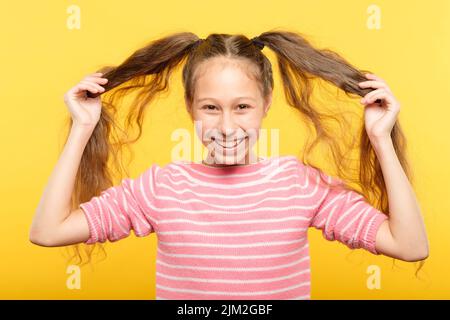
x=229, y=160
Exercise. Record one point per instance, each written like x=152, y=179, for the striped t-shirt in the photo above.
x=236, y=232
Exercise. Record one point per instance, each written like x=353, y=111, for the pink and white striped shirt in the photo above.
x=237, y=232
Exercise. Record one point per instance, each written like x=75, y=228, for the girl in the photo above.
x=233, y=226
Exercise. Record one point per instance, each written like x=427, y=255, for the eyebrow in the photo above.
x=208, y=98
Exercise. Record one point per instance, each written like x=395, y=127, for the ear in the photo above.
x=267, y=104
x=188, y=107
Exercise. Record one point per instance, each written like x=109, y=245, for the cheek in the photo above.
x=251, y=123
x=251, y=119
x=204, y=130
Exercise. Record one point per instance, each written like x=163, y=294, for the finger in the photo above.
x=92, y=88
x=375, y=95
x=92, y=75
x=95, y=85
x=373, y=84
x=83, y=87
x=374, y=77
x=368, y=96
x=97, y=79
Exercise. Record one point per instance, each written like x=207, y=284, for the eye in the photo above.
x=245, y=106
x=207, y=107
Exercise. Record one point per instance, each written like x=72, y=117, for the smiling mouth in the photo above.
x=229, y=144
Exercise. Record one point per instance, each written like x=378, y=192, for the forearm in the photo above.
x=55, y=203
x=405, y=218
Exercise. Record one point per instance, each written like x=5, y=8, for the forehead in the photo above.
x=224, y=77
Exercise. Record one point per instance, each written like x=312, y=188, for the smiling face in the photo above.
x=227, y=108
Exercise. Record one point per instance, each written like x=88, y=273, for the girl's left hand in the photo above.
x=380, y=117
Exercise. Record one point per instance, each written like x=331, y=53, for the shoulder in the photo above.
x=284, y=160
x=169, y=169
x=313, y=176
x=154, y=172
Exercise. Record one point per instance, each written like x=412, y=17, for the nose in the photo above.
x=228, y=126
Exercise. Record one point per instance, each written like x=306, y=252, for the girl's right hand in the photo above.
x=85, y=111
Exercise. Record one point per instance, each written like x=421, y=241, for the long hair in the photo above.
x=146, y=73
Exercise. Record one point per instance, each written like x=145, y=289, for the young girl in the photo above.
x=235, y=225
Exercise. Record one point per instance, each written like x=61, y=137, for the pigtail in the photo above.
x=300, y=63
x=145, y=74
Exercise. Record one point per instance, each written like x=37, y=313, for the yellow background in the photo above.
x=41, y=59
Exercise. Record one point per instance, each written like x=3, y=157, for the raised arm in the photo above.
x=54, y=224
x=54, y=208
x=404, y=235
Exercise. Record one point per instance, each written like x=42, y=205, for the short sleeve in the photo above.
x=344, y=215
x=122, y=208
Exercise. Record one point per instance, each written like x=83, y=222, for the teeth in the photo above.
x=229, y=144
